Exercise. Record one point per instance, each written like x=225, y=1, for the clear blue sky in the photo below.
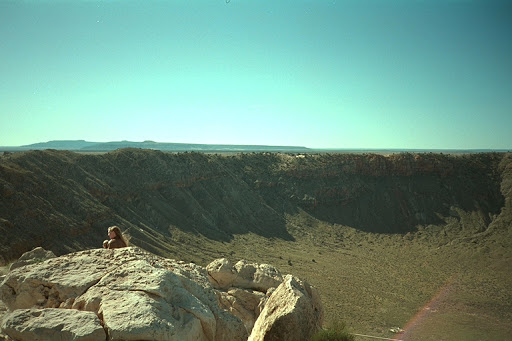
x=315, y=73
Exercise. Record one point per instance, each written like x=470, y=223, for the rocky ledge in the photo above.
x=130, y=294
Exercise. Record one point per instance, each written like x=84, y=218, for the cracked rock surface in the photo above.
x=129, y=294
x=39, y=324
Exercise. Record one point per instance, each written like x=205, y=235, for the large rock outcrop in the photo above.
x=34, y=256
x=129, y=294
x=293, y=310
x=40, y=324
x=223, y=274
x=243, y=287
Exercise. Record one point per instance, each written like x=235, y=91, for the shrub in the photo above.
x=335, y=333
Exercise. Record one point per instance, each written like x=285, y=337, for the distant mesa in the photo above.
x=87, y=146
x=61, y=144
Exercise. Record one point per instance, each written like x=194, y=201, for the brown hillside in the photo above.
x=64, y=201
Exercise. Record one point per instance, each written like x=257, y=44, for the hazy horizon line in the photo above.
x=26, y=146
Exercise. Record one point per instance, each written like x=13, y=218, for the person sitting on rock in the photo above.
x=117, y=240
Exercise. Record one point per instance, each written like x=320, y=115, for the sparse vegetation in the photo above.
x=4, y=269
x=335, y=333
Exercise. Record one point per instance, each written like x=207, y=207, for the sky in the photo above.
x=405, y=74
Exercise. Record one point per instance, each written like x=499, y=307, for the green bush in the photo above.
x=335, y=333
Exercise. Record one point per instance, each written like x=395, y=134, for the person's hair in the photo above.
x=125, y=238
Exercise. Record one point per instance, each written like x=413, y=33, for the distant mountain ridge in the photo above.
x=87, y=146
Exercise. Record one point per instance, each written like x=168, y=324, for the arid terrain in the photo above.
x=420, y=242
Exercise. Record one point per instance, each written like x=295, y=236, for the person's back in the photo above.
x=115, y=243
x=117, y=240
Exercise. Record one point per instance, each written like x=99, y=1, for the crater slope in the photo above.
x=64, y=201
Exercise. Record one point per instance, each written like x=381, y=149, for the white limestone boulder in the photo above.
x=36, y=255
x=134, y=295
x=244, y=304
x=142, y=302
x=221, y=273
x=261, y=277
x=50, y=283
x=293, y=312
x=53, y=324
